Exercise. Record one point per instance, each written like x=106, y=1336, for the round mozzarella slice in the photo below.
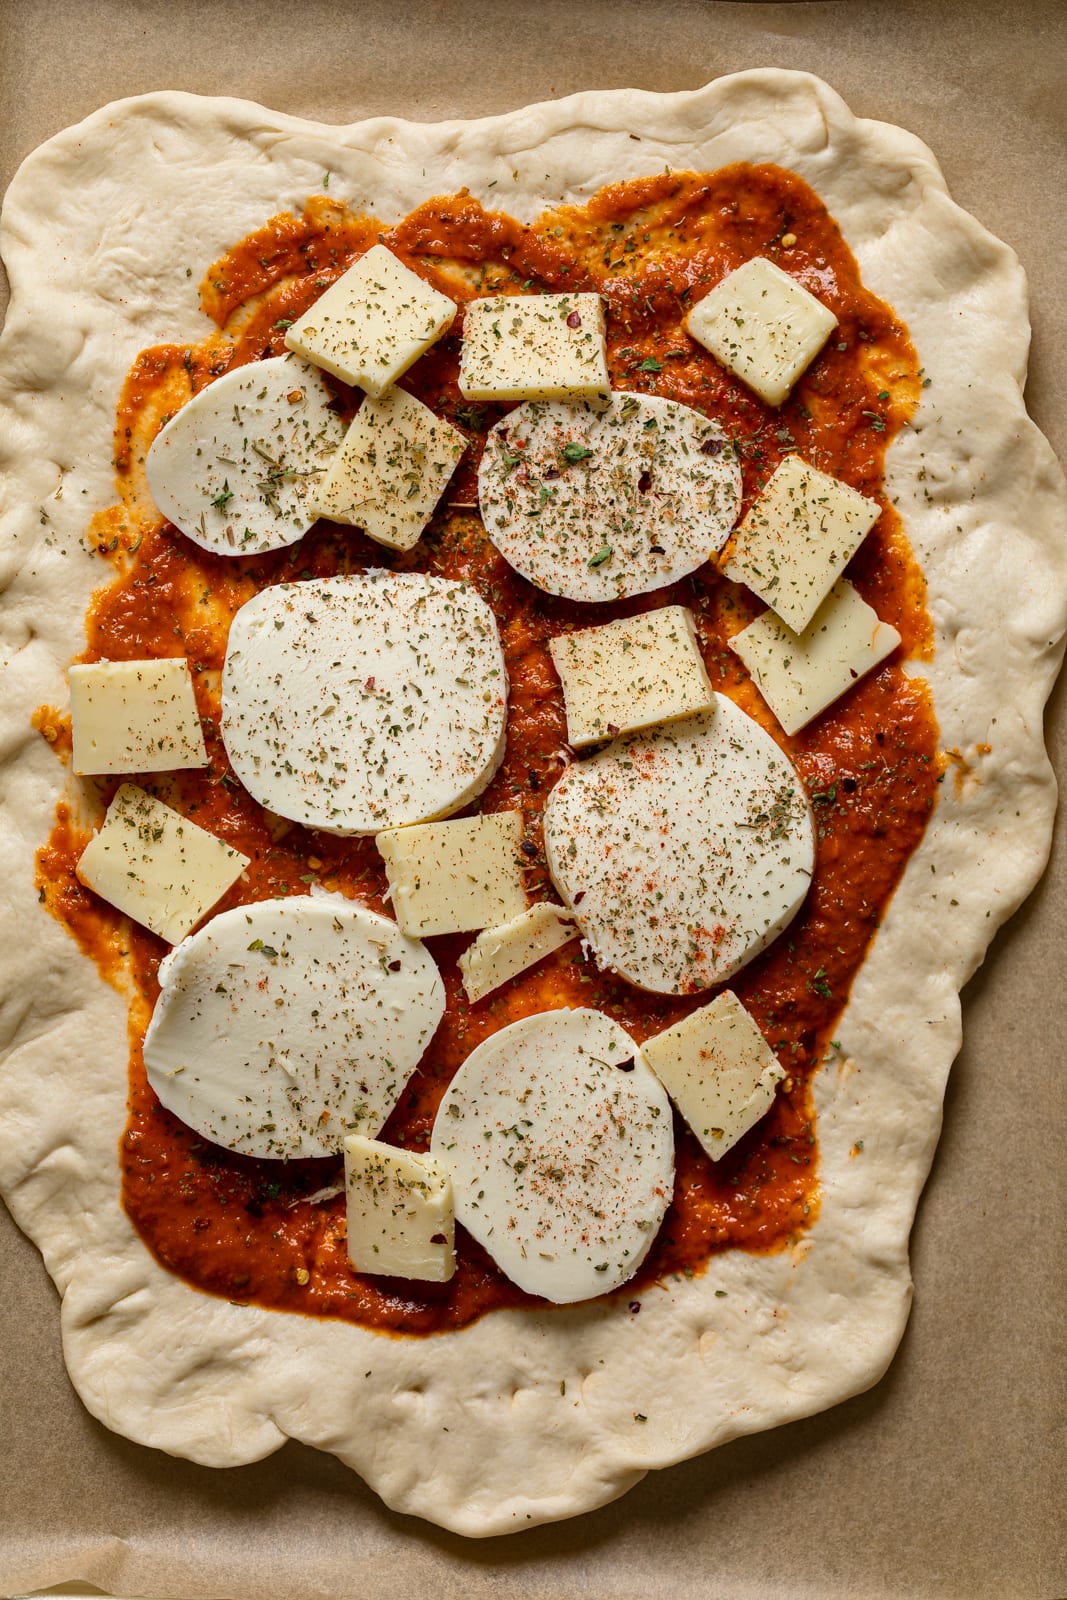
x=233, y=469
x=559, y=1142
x=355, y=704
x=285, y=1025
x=682, y=852
x=599, y=503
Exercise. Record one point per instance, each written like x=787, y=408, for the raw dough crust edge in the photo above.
x=472, y=1430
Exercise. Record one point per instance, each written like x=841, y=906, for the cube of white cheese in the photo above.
x=534, y=347
x=763, y=325
x=134, y=716
x=799, y=675
x=797, y=539
x=718, y=1069
x=456, y=876
x=631, y=674
x=391, y=469
x=499, y=954
x=373, y=323
x=401, y=1219
x=155, y=865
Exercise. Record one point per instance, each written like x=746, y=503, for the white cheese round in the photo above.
x=235, y=467
x=684, y=851
x=360, y=703
x=560, y=1145
x=285, y=1025
x=596, y=503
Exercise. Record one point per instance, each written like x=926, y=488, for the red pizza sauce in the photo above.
x=261, y=1231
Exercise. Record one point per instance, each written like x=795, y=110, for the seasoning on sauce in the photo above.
x=274, y=1233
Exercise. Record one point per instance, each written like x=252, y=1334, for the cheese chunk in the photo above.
x=798, y=538
x=597, y=504
x=718, y=1069
x=682, y=851
x=373, y=323
x=235, y=467
x=284, y=1025
x=799, y=675
x=534, y=347
x=157, y=866
x=630, y=674
x=391, y=470
x=452, y=877
x=135, y=716
x=560, y=1145
x=364, y=702
x=501, y=953
x=401, y=1220
x=763, y=325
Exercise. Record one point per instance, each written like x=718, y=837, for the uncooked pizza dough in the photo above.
x=521, y=1417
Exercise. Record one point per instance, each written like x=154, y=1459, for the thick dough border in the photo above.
x=474, y=1430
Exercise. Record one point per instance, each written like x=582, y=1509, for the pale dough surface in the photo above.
x=520, y=1418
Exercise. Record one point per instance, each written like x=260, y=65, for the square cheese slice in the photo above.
x=391, y=469
x=155, y=865
x=499, y=954
x=763, y=325
x=456, y=876
x=401, y=1218
x=630, y=674
x=718, y=1069
x=373, y=323
x=799, y=675
x=534, y=347
x=797, y=539
x=134, y=716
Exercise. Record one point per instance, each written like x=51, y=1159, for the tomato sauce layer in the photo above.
x=273, y=1233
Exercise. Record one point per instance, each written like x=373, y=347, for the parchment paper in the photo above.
x=945, y=1480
